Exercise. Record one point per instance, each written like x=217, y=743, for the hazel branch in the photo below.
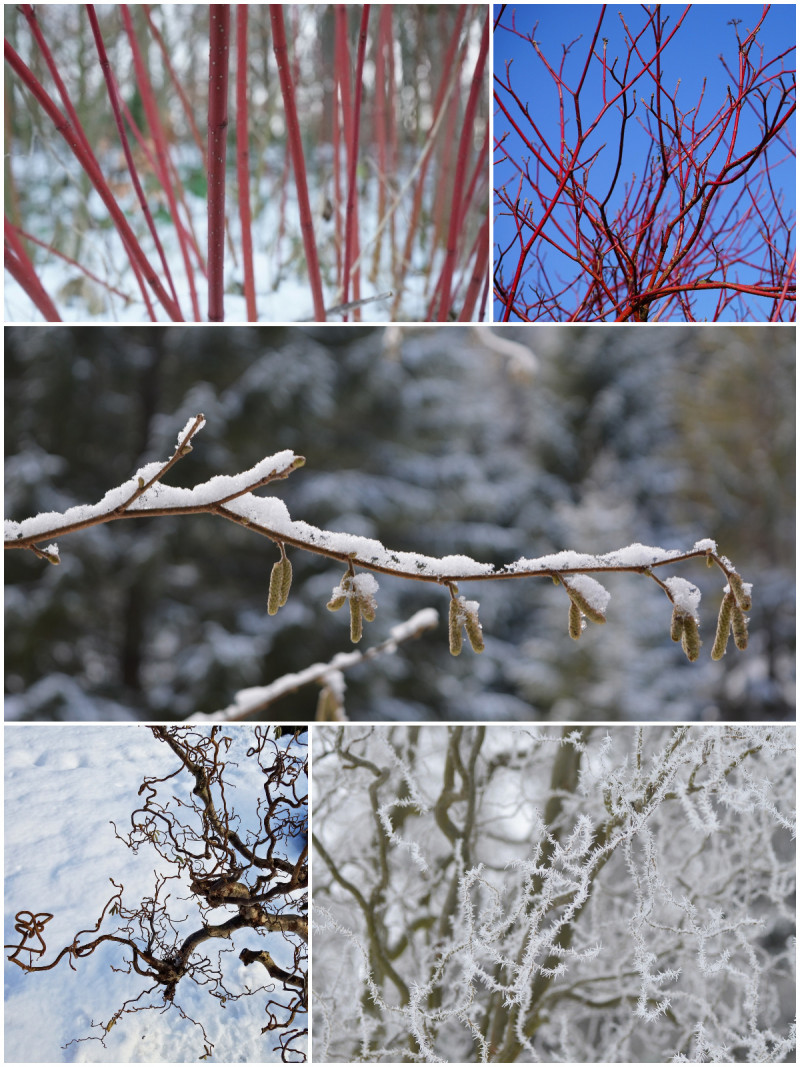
x=231, y=497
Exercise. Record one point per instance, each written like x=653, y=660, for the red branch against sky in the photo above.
x=701, y=210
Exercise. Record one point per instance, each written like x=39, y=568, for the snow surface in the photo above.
x=63, y=785
x=283, y=290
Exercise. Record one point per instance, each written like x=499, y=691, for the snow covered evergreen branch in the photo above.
x=232, y=497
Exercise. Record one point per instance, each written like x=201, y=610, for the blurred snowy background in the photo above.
x=63, y=786
x=431, y=441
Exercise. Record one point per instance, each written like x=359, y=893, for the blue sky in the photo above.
x=694, y=54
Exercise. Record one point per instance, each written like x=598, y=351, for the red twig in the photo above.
x=218, y=57
x=89, y=164
x=281, y=50
x=19, y=266
x=66, y=101
x=450, y=61
x=687, y=220
x=350, y=237
x=162, y=152
x=114, y=99
x=187, y=107
x=243, y=161
x=467, y=133
x=72, y=262
x=480, y=273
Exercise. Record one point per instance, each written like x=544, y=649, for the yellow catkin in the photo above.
x=339, y=601
x=474, y=631
x=328, y=706
x=286, y=579
x=368, y=610
x=676, y=630
x=723, y=626
x=584, y=605
x=455, y=628
x=691, y=638
x=356, y=624
x=575, y=624
x=275, y=588
x=739, y=627
x=737, y=588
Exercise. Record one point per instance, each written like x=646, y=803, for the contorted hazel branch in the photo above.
x=232, y=497
x=228, y=872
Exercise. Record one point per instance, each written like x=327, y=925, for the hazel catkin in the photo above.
x=739, y=627
x=456, y=638
x=690, y=641
x=723, y=626
x=743, y=598
x=575, y=624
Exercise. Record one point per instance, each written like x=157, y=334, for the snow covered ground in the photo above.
x=283, y=291
x=63, y=786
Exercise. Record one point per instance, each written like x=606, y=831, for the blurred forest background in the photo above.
x=48, y=195
x=432, y=442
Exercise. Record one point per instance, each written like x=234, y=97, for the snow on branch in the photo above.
x=330, y=677
x=233, y=497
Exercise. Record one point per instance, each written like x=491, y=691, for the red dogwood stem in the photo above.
x=19, y=266
x=67, y=131
x=349, y=227
x=162, y=151
x=218, y=52
x=243, y=162
x=461, y=174
x=298, y=161
x=111, y=87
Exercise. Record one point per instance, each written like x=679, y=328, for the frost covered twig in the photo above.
x=232, y=497
x=528, y=895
